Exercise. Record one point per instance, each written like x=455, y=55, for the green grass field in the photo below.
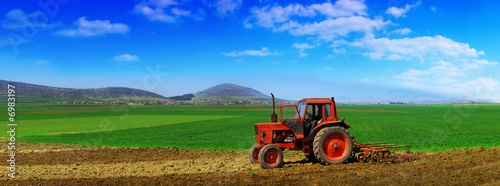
x=219, y=127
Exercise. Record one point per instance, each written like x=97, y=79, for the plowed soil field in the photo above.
x=50, y=164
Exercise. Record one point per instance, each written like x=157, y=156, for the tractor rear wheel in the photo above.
x=270, y=157
x=333, y=145
x=253, y=154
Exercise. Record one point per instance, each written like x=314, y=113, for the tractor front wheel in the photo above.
x=333, y=145
x=270, y=157
x=253, y=154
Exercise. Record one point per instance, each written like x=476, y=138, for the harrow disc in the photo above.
x=380, y=152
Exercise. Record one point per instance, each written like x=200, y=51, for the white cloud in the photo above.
x=340, y=8
x=402, y=31
x=447, y=64
x=338, y=19
x=477, y=63
x=17, y=19
x=340, y=50
x=364, y=80
x=433, y=9
x=179, y=12
x=447, y=78
x=226, y=7
x=444, y=70
x=302, y=47
x=164, y=11
x=263, y=52
x=156, y=14
x=441, y=71
x=444, y=65
x=332, y=28
x=400, y=12
x=94, y=28
x=126, y=58
x=268, y=17
x=424, y=47
x=483, y=89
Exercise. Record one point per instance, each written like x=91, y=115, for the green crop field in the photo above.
x=219, y=127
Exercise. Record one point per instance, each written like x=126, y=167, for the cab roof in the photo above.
x=316, y=100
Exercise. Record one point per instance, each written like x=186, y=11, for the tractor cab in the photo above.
x=309, y=114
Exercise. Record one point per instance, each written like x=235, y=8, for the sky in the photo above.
x=354, y=50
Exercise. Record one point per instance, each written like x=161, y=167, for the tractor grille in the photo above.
x=256, y=130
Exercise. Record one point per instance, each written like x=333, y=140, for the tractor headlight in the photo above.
x=263, y=134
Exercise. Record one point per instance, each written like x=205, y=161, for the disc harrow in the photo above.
x=381, y=152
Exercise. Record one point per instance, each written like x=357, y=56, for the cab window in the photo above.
x=327, y=110
x=310, y=109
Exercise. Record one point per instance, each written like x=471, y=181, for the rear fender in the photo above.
x=330, y=124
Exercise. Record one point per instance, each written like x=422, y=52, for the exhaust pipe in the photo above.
x=274, y=117
x=335, y=108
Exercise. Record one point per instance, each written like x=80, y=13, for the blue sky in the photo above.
x=353, y=50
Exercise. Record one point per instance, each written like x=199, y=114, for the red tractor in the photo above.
x=316, y=131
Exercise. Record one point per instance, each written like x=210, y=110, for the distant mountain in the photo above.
x=230, y=90
x=32, y=90
x=185, y=97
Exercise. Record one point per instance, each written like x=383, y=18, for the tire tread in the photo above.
x=317, y=147
x=262, y=152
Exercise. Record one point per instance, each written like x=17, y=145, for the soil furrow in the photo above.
x=172, y=166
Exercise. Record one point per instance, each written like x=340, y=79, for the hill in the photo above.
x=185, y=97
x=33, y=90
x=227, y=90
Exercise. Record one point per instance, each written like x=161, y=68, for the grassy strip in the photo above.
x=108, y=123
x=224, y=134
x=424, y=127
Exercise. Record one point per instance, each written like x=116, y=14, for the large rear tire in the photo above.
x=333, y=145
x=270, y=157
x=253, y=154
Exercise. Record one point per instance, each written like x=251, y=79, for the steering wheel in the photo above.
x=309, y=115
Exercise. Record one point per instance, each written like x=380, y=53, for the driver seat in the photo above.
x=314, y=121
